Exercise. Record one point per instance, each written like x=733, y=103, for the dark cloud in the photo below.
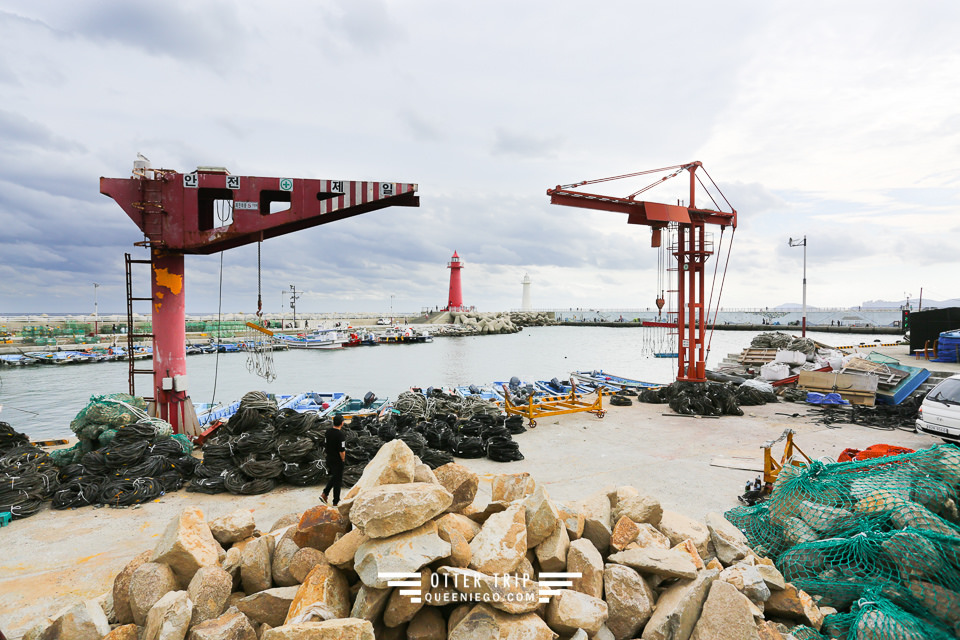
x=359, y=27
x=20, y=133
x=513, y=143
x=420, y=127
x=194, y=32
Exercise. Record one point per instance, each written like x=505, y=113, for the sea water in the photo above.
x=41, y=400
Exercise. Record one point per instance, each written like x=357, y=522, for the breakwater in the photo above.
x=754, y=327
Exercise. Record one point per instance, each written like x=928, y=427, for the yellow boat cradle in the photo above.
x=791, y=455
x=553, y=406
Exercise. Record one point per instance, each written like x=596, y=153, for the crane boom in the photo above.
x=692, y=250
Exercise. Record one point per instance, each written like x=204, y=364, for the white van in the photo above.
x=939, y=414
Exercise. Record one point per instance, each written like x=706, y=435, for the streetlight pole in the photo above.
x=391, y=306
x=293, y=304
x=96, y=313
x=803, y=243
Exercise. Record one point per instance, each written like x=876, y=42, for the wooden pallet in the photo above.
x=757, y=356
x=855, y=389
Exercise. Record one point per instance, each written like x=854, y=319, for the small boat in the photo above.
x=320, y=402
x=16, y=360
x=361, y=339
x=557, y=387
x=370, y=404
x=610, y=381
x=319, y=339
x=141, y=352
x=398, y=335
x=483, y=391
x=208, y=413
x=520, y=391
x=58, y=357
x=228, y=347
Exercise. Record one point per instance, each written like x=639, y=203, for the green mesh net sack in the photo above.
x=184, y=442
x=919, y=490
x=877, y=617
x=887, y=526
x=68, y=455
x=114, y=410
x=802, y=632
x=910, y=565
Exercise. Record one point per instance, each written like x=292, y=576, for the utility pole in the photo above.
x=391, y=306
x=803, y=243
x=96, y=313
x=294, y=296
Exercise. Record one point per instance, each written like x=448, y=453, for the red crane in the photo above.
x=692, y=250
x=210, y=210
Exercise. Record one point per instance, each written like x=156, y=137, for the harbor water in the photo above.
x=41, y=400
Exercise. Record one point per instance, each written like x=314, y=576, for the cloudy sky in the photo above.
x=839, y=121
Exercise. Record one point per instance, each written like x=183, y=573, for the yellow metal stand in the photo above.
x=771, y=468
x=553, y=406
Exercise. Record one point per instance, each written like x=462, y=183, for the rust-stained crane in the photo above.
x=691, y=252
x=177, y=213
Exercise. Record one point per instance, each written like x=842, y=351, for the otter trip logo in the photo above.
x=476, y=587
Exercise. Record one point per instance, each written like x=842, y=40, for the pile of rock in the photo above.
x=533, y=318
x=484, y=323
x=641, y=571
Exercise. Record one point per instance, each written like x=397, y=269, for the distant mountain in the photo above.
x=914, y=303
x=880, y=304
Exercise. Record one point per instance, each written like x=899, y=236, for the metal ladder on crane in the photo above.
x=132, y=336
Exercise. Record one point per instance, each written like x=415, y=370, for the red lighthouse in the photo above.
x=455, y=299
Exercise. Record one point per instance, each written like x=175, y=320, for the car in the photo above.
x=383, y=321
x=939, y=415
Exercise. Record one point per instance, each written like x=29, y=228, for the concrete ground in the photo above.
x=55, y=556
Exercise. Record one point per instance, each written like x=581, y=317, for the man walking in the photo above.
x=336, y=454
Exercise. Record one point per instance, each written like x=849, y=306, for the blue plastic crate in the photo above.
x=5, y=518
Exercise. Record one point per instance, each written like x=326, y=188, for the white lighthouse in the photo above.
x=525, y=305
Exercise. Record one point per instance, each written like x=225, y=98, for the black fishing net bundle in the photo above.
x=747, y=396
x=293, y=423
x=514, y=424
x=882, y=416
x=28, y=476
x=620, y=399
x=696, y=398
x=303, y=474
x=9, y=438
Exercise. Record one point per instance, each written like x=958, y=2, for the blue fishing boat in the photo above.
x=610, y=381
x=58, y=357
x=320, y=339
x=16, y=360
x=563, y=387
x=481, y=391
x=208, y=413
x=370, y=404
x=320, y=402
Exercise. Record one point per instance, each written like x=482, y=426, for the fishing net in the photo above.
x=304, y=474
x=695, y=398
x=28, y=476
x=883, y=615
x=503, y=449
x=9, y=438
x=258, y=343
x=434, y=458
x=785, y=341
x=845, y=532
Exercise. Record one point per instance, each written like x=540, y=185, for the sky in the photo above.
x=834, y=121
